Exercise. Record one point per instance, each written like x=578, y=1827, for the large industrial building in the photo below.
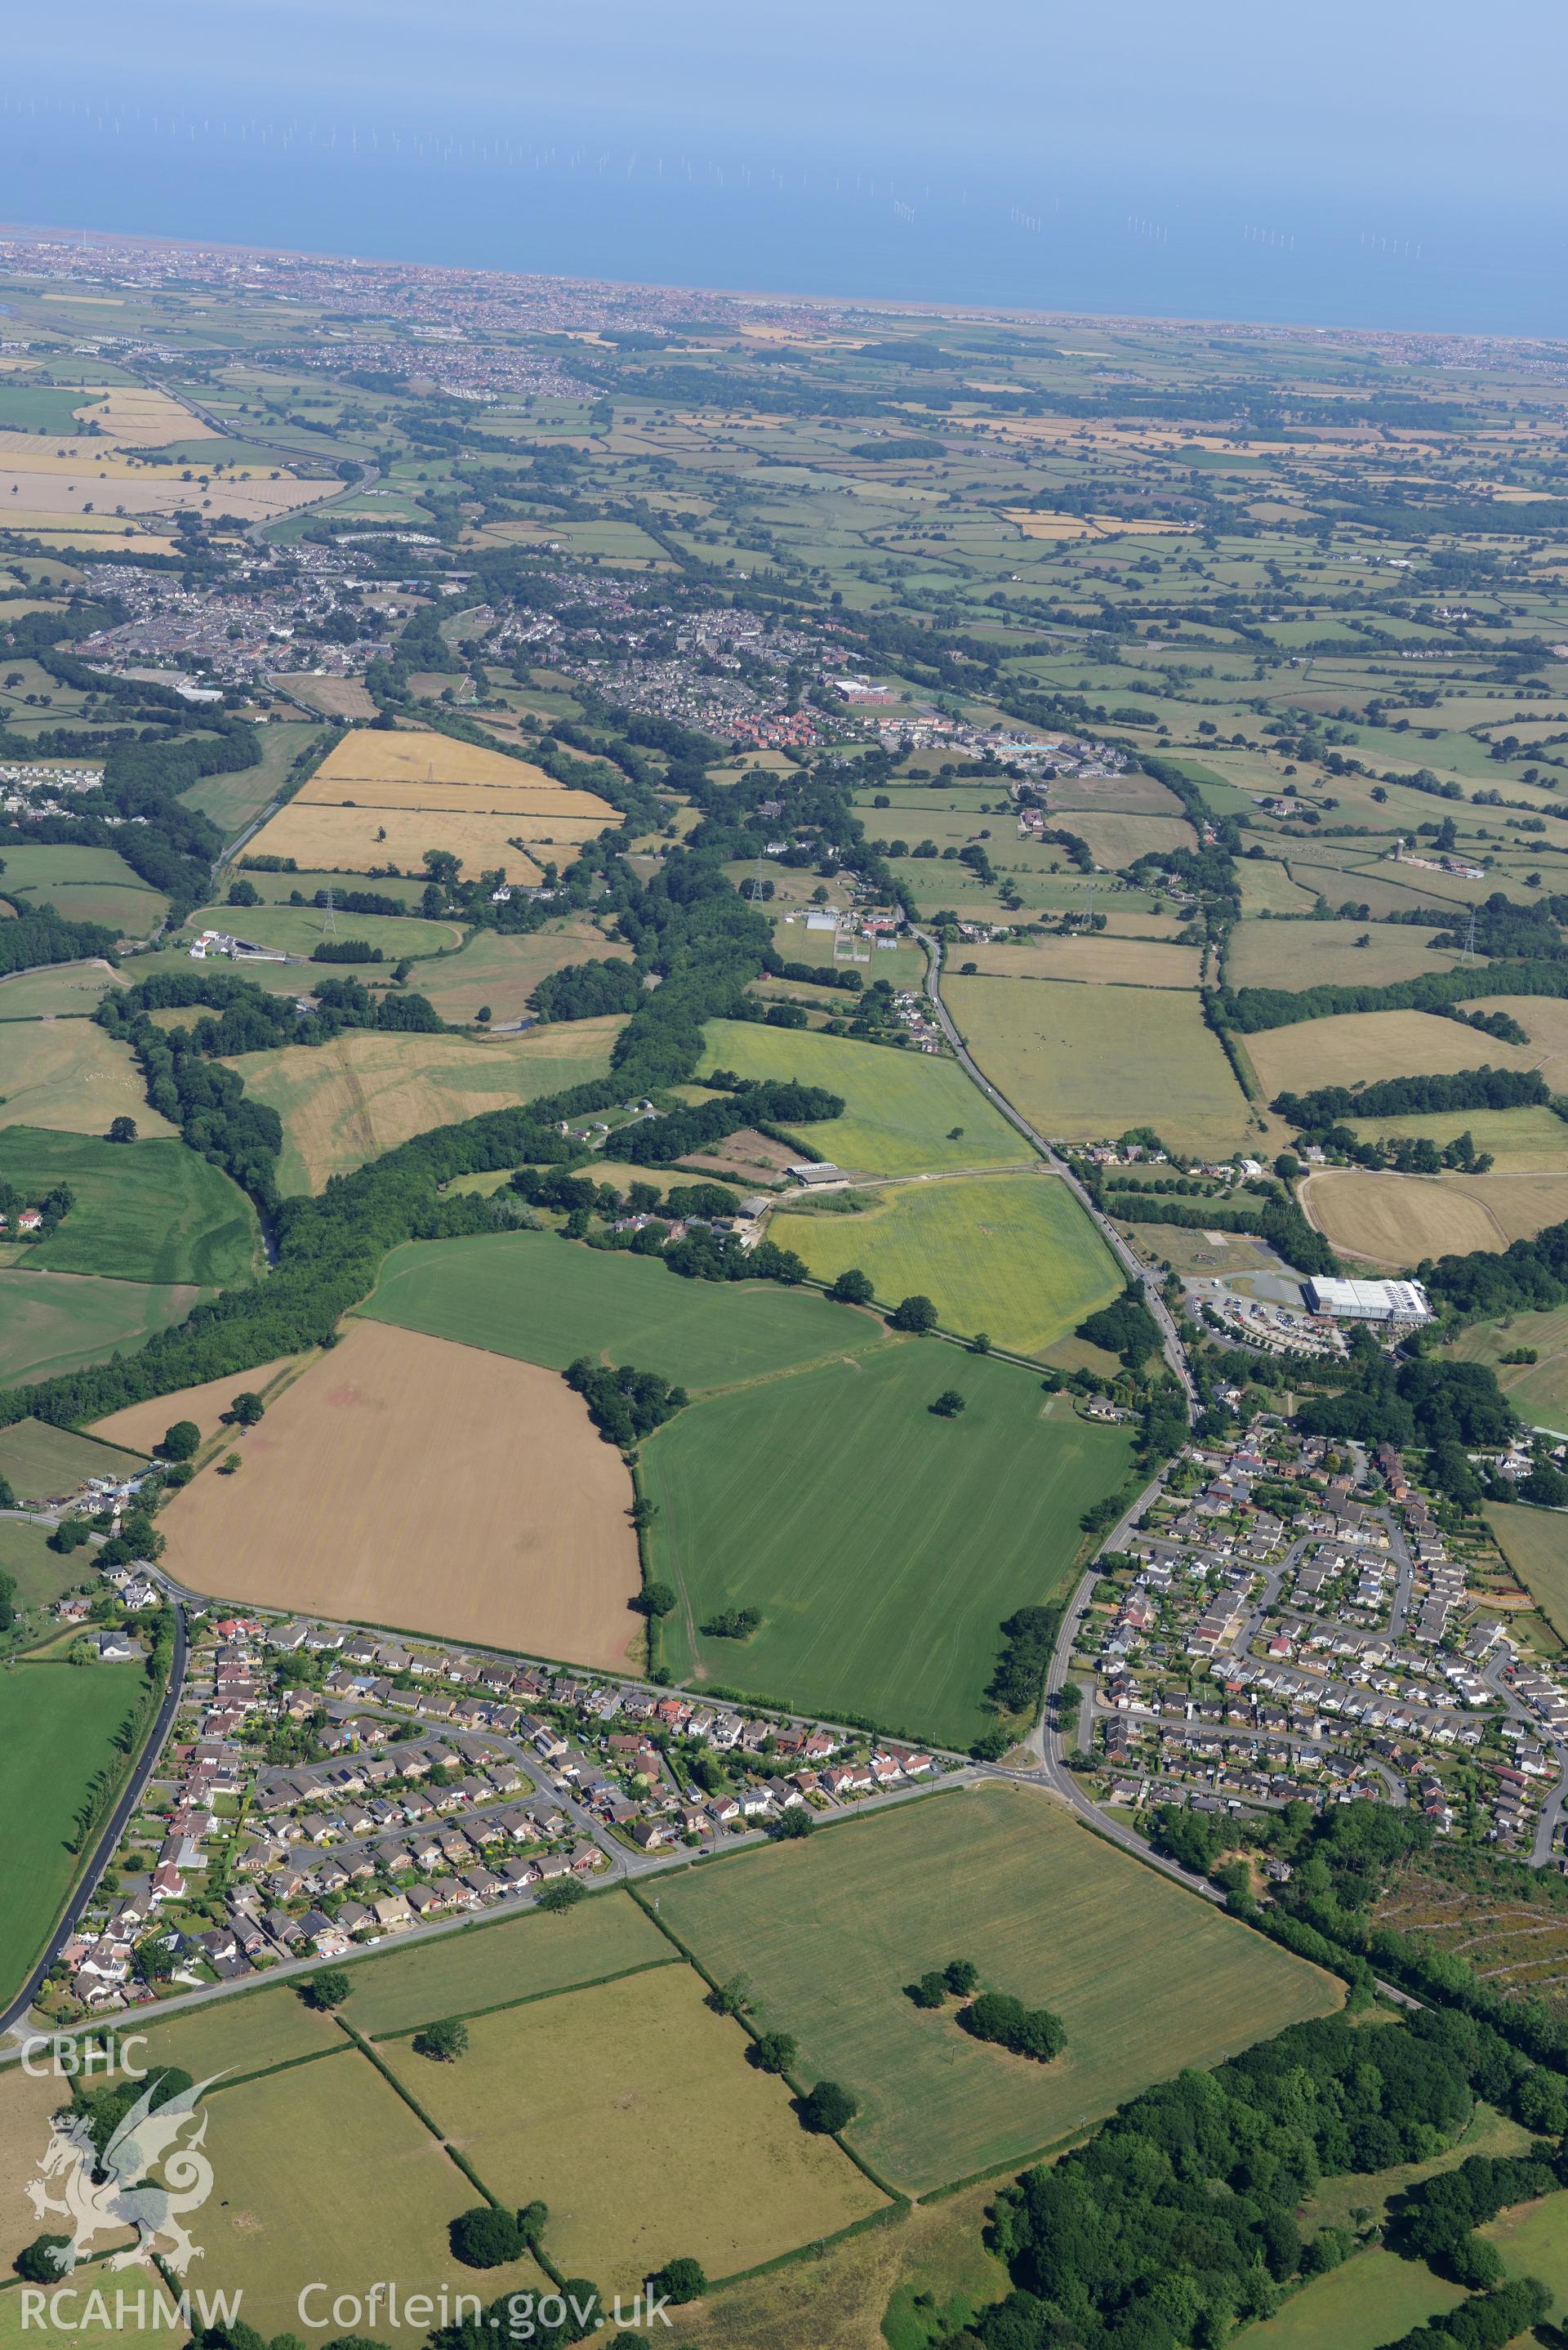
x=1370, y=1301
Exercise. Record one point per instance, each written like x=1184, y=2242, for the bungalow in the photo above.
x=392, y=1912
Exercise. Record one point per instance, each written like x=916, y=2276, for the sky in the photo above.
x=1362, y=162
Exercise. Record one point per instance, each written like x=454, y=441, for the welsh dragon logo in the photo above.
x=102, y=2193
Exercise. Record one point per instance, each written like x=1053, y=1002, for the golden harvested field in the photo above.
x=359, y=840
x=1363, y=1047
x=1117, y=840
x=1398, y=1220
x=363, y=2193
x=69, y=1075
x=25, y=2106
x=334, y=697
x=630, y=2109
x=408, y=1482
x=93, y=476
x=367, y=1090
x=1324, y=954
x=1544, y=1020
x=418, y=770
x=142, y=1425
x=1125, y=963
x=133, y=416
x=1083, y=1064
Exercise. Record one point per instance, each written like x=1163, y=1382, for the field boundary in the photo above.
x=527, y=1998
x=895, y=2194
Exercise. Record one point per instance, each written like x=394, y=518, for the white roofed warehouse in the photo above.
x=1370, y=1301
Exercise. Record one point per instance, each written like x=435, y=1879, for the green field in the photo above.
x=545, y=1300
x=88, y=885
x=153, y=1210
x=1374, y=2298
x=900, y=1108
x=41, y=1462
x=882, y=1544
x=237, y=799
x=630, y=2109
x=56, y=1722
x=41, y=1574
x=1535, y=1545
x=1146, y=1977
x=460, y=1973
x=1522, y=1141
x=1084, y=1064
x=52, y=1322
x=1538, y=1391
x=297, y=929
x=65, y=987
x=1013, y=1255
x=1533, y=2241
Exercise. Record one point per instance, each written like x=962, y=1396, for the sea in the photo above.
x=985, y=233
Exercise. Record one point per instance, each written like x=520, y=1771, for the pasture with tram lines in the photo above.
x=1083, y=1064
x=1146, y=1979
x=882, y=1545
x=542, y=1299
x=152, y=1211
x=55, y=1322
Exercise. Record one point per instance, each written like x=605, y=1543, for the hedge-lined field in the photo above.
x=882, y=1544
x=1013, y=1255
x=1146, y=1977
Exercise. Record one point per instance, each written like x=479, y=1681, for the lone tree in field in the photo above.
x=122, y=1129
x=680, y=2280
x=531, y=2221
x=37, y=2264
x=949, y=1404
x=916, y=1313
x=181, y=1439
x=329, y=1988
x=774, y=2051
x=829, y=2107
x=929, y=1990
x=1033, y=2032
x=655, y=1599
x=245, y=1410
x=445, y=2042
x=962, y=1976
x=486, y=2238
x=852, y=1287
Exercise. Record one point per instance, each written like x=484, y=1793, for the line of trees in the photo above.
x=1483, y=1089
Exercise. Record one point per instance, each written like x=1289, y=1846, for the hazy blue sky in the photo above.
x=1024, y=136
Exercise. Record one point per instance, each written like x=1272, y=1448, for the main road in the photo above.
x=1175, y=1353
